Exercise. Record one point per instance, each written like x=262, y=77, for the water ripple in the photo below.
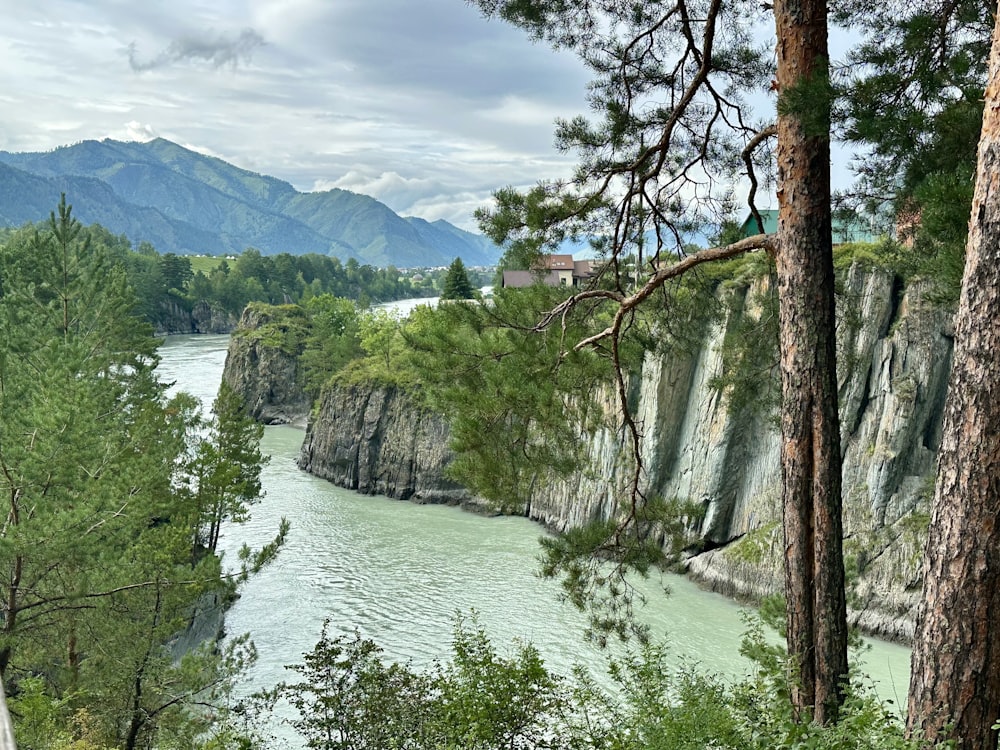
x=400, y=573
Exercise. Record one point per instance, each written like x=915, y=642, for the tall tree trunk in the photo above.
x=810, y=426
x=955, y=678
x=11, y=608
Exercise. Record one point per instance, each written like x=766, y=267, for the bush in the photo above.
x=350, y=697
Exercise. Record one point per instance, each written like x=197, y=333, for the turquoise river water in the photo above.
x=400, y=572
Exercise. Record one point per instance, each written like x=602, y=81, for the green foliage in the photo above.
x=657, y=119
x=350, y=699
x=348, y=696
x=939, y=245
x=99, y=570
x=225, y=469
x=332, y=340
x=810, y=101
x=489, y=700
x=914, y=98
x=283, y=327
x=456, y=282
x=166, y=283
x=377, y=331
x=749, y=351
x=515, y=398
x=754, y=545
x=886, y=255
x=673, y=709
x=762, y=707
x=595, y=562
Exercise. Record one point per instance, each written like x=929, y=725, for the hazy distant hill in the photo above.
x=184, y=202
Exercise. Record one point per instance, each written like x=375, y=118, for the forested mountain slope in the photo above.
x=186, y=203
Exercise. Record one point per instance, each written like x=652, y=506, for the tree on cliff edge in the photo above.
x=671, y=129
x=955, y=676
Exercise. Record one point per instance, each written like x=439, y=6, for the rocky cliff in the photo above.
x=262, y=365
x=699, y=445
x=202, y=318
x=379, y=441
x=894, y=349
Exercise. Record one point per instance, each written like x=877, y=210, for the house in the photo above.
x=553, y=270
x=844, y=229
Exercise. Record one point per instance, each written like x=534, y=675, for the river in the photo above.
x=400, y=572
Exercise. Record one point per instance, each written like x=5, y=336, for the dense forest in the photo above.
x=113, y=493
x=168, y=286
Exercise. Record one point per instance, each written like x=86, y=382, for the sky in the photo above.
x=422, y=104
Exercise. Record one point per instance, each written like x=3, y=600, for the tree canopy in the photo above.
x=103, y=554
x=456, y=282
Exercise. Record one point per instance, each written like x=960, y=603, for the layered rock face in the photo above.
x=377, y=440
x=202, y=318
x=894, y=350
x=265, y=375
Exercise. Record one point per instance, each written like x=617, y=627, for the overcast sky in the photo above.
x=422, y=104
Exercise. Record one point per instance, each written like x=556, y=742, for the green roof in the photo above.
x=844, y=230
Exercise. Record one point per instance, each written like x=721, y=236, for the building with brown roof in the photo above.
x=553, y=270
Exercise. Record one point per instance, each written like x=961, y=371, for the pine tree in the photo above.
x=955, y=676
x=226, y=468
x=97, y=573
x=664, y=135
x=456, y=282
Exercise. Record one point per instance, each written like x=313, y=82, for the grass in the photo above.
x=204, y=263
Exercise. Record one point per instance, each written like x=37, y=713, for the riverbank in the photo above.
x=401, y=572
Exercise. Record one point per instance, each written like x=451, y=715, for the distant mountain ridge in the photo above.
x=186, y=203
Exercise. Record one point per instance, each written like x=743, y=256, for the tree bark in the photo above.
x=955, y=678
x=810, y=425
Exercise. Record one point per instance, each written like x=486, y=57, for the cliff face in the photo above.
x=894, y=356
x=265, y=374
x=202, y=318
x=376, y=440
x=894, y=353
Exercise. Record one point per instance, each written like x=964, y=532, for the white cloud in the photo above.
x=517, y=110
x=137, y=131
x=425, y=106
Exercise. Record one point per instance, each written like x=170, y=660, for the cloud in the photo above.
x=425, y=106
x=138, y=131
x=391, y=188
x=430, y=199
x=219, y=51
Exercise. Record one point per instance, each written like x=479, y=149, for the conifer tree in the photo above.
x=97, y=574
x=456, y=282
x=955, y=676
x=671, y=126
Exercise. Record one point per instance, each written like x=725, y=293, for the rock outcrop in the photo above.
x=894, y=349
x=377, y=440
x=263, y=368
x=173, y=317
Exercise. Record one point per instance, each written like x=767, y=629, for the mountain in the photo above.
x=185, y=202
